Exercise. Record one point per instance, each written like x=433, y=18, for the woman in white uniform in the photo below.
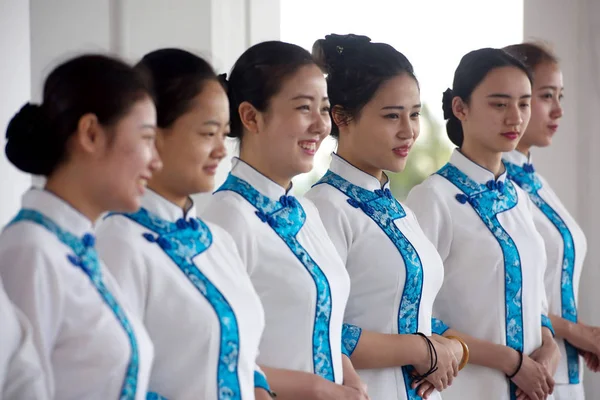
x=482, y=227
x=395, y=271
x=566, y=245
x=21, y=375
x=182, y=275
x=93, y=138
x=280, y=111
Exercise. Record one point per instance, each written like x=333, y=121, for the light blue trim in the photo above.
x=154, y=396
x=86, y=258
x=488, y=201
x=546, y=323
x=381, y=206
x=350, y=337
x=527, y=179
x=182, y=241
x=260, y=381
x=286, y=217
x=438, y=326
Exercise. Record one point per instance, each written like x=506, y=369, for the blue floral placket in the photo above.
x=527, y=179
x=85, y=257
x=381, y=206
x=286, y=217
x=182, y=241
x=488, y=201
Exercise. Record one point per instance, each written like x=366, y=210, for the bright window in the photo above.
x=433, y=34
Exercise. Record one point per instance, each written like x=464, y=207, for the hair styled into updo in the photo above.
x=259, y=74
x=532, y=54
x=471, y=71
x=356, y=68
x=37, y=135
x=176, y=77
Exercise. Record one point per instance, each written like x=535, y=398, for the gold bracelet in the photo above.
x=465, y=357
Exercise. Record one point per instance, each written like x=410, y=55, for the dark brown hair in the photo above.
x=532, y=54
x=106, y=87
x=471, y=71
x=176, y=77
x=259, y=74
x=356, y=68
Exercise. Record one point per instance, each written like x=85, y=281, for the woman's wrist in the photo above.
x=511, y=361
x=350, y=374
x=575, y=332
x=518, y=367
x=462, y=349
x=324, y=389
x=421, y=353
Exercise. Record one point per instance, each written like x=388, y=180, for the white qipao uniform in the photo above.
x=566, y=247
x=187, y=282
x=494, y=262
x=395, y=271
x=90, y=345
x=294, y=267
x=21, y=375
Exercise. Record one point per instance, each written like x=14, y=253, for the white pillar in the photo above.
x=15, y=84
x=229, y=34
x=237, y=25
x=147, y=25
x=61, y=29
x=572, y=162
x=264, y=20
x=218, y=30
x=587, y=59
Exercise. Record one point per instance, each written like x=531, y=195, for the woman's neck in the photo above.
x=523, y=148
x=268, y=169
x=180, y=200
x=490, y=160
x=67, y=185
x=347, y=154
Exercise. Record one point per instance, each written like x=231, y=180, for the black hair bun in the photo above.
x=25, y=122
x=328, y=51
x=447, y=103
x=223, y=81
x=342, y=41
x=27, y=146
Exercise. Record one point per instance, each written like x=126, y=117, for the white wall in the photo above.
x=146, y=25
x=264, y=20
x=219, y=30
x=572, y=162
x=557, y=25
x=61, y=29
x=14, y=92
